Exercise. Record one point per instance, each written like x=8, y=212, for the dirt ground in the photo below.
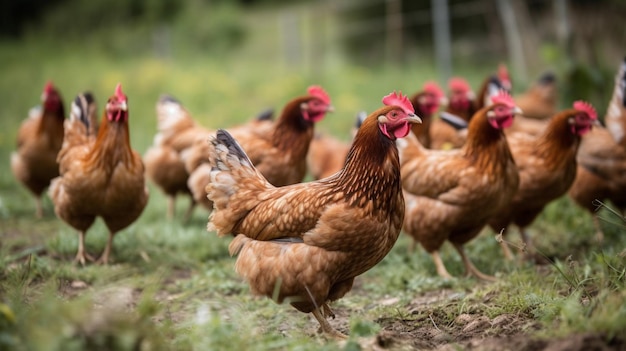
x=424, y=328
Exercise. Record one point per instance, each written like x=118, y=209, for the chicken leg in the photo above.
x=38, y=208
x=171, y=206
x=326, y=328
x=470, y=269
x=192, y=206
x=104, y=258
x=441, y=268
x=508, y=255
x=81, y=255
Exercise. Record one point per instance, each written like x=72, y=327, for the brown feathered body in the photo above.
x=547, y=168
x=39, y=140
x=445, y=136
x=326, y=155
x=538, y=104
x=451, y=194
x=540, y=100
x=177, y=132
x=99, y=177
x=307, y=242
x=602, y=157
x=277, y=149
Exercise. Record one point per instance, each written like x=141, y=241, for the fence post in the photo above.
x=513, y=40
x=441, y=34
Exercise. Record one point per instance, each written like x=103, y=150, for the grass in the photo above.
x=172, y=284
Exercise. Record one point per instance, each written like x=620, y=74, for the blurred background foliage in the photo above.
x=583, y=48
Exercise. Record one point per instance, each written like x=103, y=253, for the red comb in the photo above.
x=433, y=88
x=48, y=87
x=119, y=93
x=458, y=83
x=397, y=99
x=503, y=72
x=318, y=92
x=504, y=98
x=586, y=107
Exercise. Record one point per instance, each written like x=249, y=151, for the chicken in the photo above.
x=100, y=176
x=277, y=150
x=451, y=194
x=547, y=168
x=305, y=243
x=163, y=160
x=327, y=154
x=39, y=140
x=426, y=103
x=455, y=134
x=177, y=134
x=445, y=135
x=539, y=103
x=601, y=173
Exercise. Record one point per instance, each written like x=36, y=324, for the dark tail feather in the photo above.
x=547, y=78
x=166, y=98
x=223, y=137
x=455, y=121
x=360, y=117
x=623, y=82
x=80, y=107
x=266, y=115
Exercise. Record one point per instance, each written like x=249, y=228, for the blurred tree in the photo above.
x=15, y=14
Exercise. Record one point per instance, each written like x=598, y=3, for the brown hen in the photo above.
x=305, y=243
x=278, y=150
x=547, y=168
x=39, y=140
x=451, y=194
x=601, y=172
x=100, y=176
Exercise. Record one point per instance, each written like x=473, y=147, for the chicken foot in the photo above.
x=470, y=269
x=441, y=268
x=104, y=258
x=81, y=255
x=327, y=311
x=325, y=327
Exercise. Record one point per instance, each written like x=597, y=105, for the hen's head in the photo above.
x=395, y=120
x=117, y=106
x=461, y=94
x=431, y=98
x=315, y=107
x=502, y=110
x=584, y=118
x=51, y=98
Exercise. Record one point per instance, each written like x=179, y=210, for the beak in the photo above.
x=443, y=101
x=596, y=123
x=413, y=118
x=330, y=108
x=123, y=106
x=518, y=111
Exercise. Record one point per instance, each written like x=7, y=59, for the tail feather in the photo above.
x=622, y=82
x=83, y=110
x=234, y=181
x=169, y=111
